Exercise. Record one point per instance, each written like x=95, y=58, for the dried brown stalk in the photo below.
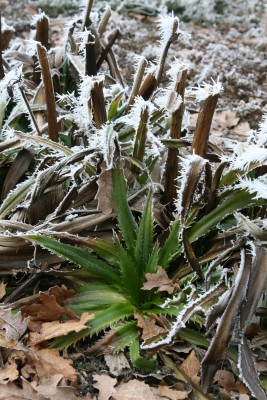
x=107, y=48
x=148, y=86
x=201, y=136
x=42, y=29
x=90, y=63
x=49, y=93
x=171, y=169
x=98, y=102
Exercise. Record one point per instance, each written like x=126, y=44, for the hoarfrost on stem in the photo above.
x=204, y=90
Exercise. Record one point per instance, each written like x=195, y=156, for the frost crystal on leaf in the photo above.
x=245, y=155
x=104, y=141
x=257, y=186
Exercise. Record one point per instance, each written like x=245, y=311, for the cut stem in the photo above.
x=98, y=102
x=42, y=29
x=49, y=93
x=90, y=63
x=204, y=120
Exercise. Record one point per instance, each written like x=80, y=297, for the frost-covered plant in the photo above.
x=64, y=122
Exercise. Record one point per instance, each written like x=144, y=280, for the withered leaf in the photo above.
x=148, y=326
x=55, y=329
x=172, y=394
x=161, y=281
x=105, y=189
x=191, y=366
x=2, y=288
x=54, y=387
x=14, y=326
x=226, y=380
x=48, y=310
x=61, y=293
x=105, y=384
x=9, y=372
x=48, y=362
x=134, y=390
x=10, y=391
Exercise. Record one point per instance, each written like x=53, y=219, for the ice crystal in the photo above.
x=257, y=186
x=203, y=91
x=104, y=140
x=38, y=17
x=186, y=165
x=176, y=69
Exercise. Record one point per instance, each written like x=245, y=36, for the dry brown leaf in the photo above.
x=48, y=362
x=191, y=366
x=48, y=310
x=134, y=390
x=2, y=288
x=148, y=326
x=9, y=372
x=161, y=281
x=171, y=393
x=55, y=388
x=105, y=384
x=12, y=392
x=105, y=189
x=13, y=326
x=61, y=293
x=55, y=329
x=226, y=380
x=116, y=363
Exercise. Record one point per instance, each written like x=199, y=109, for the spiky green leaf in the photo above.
x=172, y=247
x=83, y=258
x=144, y=238
x=126, y=220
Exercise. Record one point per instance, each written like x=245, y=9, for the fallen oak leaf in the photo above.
x=50, y=330
x=226, y=380
x=9, y=372
x=166, y=391
x=14, y=326
x=48, y=362
x=105, y=384
x=61, y=293
x=161, y=281
x=48, y=310
x=55, y=388
x=134, y=390
x=10, y=391
x=191, y=366
x=148, y=326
